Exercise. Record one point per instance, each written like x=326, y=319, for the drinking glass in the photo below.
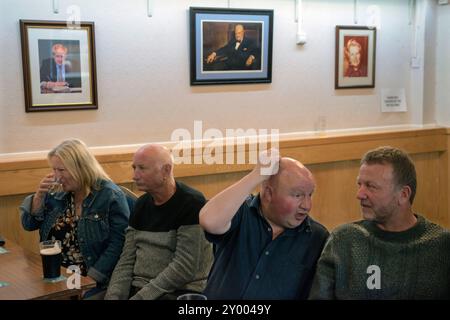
x=55, y=187
x=50, y=251
x=192, y=296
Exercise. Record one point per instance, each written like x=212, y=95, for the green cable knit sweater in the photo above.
x=165, y=249
x=413, y=264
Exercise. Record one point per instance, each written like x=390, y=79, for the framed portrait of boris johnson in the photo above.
x=355, y=57
x=58, y=65
x=229, y=46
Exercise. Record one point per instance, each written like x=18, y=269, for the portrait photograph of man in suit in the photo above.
x=231, y=46
x=59, y=65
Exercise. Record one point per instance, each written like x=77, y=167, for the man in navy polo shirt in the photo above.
x=266, y=246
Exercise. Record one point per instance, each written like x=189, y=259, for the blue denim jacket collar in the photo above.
x=90, y=198
x=86, y=202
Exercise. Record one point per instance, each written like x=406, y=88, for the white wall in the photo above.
x=143, y=74
x=443, y=65
x=429, y=109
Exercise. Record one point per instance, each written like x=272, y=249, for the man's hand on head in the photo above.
x=269, y=162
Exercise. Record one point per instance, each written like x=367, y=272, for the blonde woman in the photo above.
x=88, y=215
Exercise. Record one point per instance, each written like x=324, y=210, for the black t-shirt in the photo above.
x=181, y=209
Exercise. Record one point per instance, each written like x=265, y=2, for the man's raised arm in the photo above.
x=216, y=215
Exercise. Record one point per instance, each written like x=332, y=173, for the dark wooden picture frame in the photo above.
x=230, y=46
x=355, y=57
x=59, y=68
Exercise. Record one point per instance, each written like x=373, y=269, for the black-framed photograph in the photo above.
x=58, y=65
x=230, y=46
x=355, y=57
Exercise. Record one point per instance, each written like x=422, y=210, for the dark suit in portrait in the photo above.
x=230, y=58
x=360, y=71
x=48, y=72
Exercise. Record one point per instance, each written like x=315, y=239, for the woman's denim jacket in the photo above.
x=101, y=228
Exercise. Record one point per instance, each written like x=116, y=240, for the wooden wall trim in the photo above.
x=444, y=184
x=334, y=161
x=21, y=175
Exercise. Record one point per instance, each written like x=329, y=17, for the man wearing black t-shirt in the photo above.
x=165, y=252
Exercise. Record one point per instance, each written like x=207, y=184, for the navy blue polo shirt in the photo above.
x=248, y=264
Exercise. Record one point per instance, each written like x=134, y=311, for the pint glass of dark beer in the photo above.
x=51, y=258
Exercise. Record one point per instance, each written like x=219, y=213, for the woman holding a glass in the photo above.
x=79, y=205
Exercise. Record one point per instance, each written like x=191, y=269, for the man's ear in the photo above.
x=267, y=191
x=405, y=195
x=167, y=169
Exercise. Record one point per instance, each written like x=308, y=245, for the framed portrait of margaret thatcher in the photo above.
x=58, y=65
x=355, y=57
x=230, y=46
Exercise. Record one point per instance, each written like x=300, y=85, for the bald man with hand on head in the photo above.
x=165, y=252
x=267, y=246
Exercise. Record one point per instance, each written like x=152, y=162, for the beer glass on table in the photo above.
x=51, y=258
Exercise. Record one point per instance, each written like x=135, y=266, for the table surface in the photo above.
x=65, y=90
x=22, y=270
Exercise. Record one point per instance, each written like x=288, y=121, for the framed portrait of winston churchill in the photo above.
x=230, y=46
x=58, y=65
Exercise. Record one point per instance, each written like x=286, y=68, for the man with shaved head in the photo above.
x=266, y=246
x=165, y=252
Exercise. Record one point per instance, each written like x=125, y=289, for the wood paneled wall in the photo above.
x=334, y=161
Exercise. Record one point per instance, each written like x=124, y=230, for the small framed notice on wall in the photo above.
x=393, y=100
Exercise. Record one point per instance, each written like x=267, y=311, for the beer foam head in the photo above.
x=51, y=251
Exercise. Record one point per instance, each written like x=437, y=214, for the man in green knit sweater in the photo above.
x=393, y=253
x=165, y=252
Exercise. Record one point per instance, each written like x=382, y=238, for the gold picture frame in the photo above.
x=59, y=69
